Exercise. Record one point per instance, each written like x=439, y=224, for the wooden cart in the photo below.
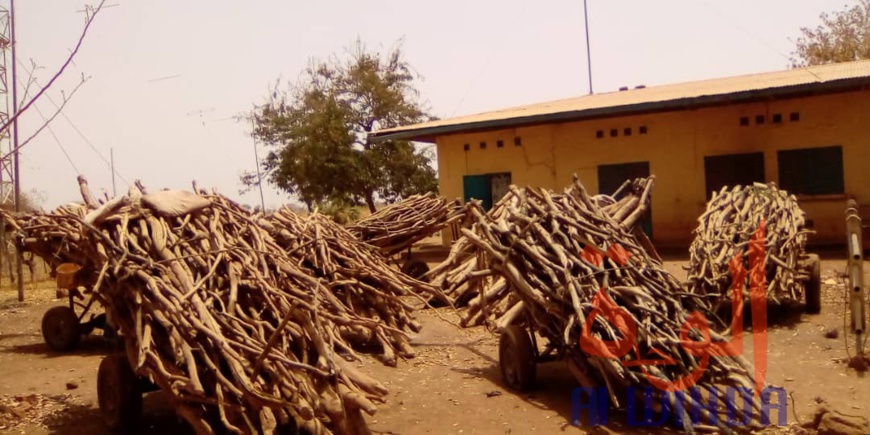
x=62, y=327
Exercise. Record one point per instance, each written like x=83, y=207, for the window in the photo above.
x=744, y=121
x=483, y=145
x=642, y=129
x=794, y=116
x=777, y=118
x=812, y=171
x=599, y=134
x=614, y=132
x=499, y=144
x=732, y=170
x=626, y=131
x=518, y=141
x=466, y=147
x=759, y=119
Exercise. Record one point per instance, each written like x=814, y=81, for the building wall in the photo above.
x=675, y=146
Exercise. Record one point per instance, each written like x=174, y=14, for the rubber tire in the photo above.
x=415, y=269
x=61, y=329
x=813, y=287
x=118, y=393
x=516, y=358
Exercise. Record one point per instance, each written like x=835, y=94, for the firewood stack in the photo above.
x=355, y=272
x=396, y=227
x=724, y=231
x=218, y=314
x=578, y=274
x=463, y=275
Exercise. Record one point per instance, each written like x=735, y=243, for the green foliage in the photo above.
x=843, y=36
x=318, y=130
x=340, y=211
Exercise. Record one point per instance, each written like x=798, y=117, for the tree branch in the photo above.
x=48, y=121
x=88, y=21
x=31, y=79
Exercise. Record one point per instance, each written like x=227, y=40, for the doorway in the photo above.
x=488, y=188
x=610, y=177
x=732, y=170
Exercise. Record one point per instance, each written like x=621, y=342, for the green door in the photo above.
x=610, y=177
x=477, y=187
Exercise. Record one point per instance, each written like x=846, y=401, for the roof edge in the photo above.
x=428, y=134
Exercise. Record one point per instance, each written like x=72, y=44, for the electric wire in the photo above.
x=57, y=140
x=736, y=25
x=75, y=128
x=494, y=49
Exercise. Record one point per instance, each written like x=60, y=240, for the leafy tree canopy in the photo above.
x=843, y=36
x=318, y=130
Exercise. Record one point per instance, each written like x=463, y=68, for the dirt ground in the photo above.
x=453, y=386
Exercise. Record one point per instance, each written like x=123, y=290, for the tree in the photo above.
x=319, y=128
x=30, y=201
x=843, y=36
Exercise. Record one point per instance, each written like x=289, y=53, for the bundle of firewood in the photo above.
x=218, y=314
x=355, y=272
x=396, y=227
x=580, y=278
x=463, y=274
x=732, y=216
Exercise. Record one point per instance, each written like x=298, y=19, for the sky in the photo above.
x=166, y=79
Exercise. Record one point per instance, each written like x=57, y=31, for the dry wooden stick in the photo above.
x=396, y=227
x=552, y=258
x=227, y=320
x=732, y=216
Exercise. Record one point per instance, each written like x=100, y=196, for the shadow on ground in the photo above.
x=778, y=315
x=158, y=418
x=89, y=346
x=552, y=391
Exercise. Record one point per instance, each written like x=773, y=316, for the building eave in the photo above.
x=429, y=134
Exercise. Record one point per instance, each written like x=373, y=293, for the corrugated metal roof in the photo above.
x=779, y=84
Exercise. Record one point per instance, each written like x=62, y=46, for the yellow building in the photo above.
x=806, y=129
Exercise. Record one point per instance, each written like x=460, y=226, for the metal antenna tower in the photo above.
x=9, y=187
x=7, y=181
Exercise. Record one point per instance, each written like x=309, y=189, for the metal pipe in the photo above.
x=856, y=278
x=856, y=299
x=854, y=239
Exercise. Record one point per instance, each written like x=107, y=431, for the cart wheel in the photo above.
x=813, y=287
x=415, y=269
x=61, y=329
x=118, y=393
x=516, y=357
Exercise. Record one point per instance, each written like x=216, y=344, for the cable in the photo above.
x=496, y=47
x=75, y=128
x=734, y=23
x=56, y=140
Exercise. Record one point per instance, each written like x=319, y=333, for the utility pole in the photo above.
x=259, y=179
x=112, y=164
x=5, y=140
x=588, y=47
x=16, y=175
x=259, y=176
